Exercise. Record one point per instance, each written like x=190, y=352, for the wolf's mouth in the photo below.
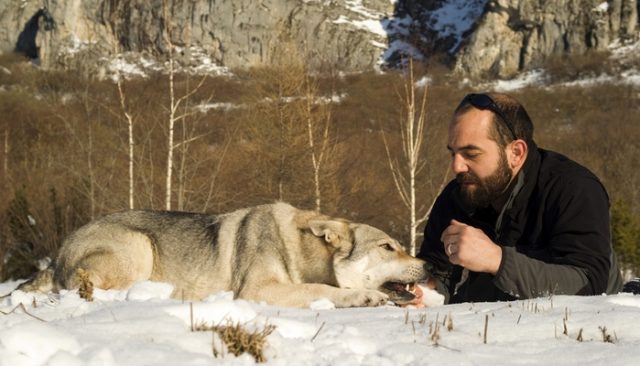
x=400, y=293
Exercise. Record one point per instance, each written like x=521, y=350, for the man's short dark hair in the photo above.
x=511, y=109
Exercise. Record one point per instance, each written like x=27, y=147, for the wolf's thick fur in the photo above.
x=273, y=253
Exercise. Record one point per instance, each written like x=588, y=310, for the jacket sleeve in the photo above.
x=576, y=231
x=432, y=250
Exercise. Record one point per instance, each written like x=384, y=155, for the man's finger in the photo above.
x=450, y=234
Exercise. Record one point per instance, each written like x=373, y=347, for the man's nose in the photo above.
x=458, y=164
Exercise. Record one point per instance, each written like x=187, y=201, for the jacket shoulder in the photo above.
x=559, y=171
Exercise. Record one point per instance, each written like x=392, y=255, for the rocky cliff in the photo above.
x=516, y=35
x=233, y=33
x=483, y=38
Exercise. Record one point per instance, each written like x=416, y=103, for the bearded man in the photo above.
x=518, y=221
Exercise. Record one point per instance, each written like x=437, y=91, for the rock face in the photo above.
x=237, y=33
x=517, y=35
x=234, y=33
x=493, y=38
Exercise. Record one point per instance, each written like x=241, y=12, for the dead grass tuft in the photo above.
x=238, y=340
x=606, y=337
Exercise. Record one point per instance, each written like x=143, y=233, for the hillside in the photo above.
x=477, y=38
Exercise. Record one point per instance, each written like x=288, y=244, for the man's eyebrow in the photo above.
x=469, y=147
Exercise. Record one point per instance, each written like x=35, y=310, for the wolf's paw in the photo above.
x=362, y=298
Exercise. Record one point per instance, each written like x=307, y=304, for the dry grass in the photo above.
x=238, y=340
x=574, y=66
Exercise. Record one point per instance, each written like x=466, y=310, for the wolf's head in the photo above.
x=366, y=257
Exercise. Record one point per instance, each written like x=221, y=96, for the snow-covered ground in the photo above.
x=142, y=326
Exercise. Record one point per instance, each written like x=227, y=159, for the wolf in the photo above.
x=273, y=253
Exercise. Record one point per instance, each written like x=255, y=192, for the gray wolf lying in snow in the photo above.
x=274, y=253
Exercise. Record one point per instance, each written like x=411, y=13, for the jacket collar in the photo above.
x=530, y=172
x=515, y=215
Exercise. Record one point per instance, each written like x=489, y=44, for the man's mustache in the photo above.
x=467, y=178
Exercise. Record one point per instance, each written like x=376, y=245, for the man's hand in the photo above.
x=417, y=302
x=470, y=248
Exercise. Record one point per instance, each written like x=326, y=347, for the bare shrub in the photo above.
x=573, y=66
x=238, y=339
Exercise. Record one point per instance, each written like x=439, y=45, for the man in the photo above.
x=518, y=221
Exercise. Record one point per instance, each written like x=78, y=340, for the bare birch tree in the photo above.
x=175, y=103
x=317, y=124
x=5, y=156
x=123, y=103
x=411, y=160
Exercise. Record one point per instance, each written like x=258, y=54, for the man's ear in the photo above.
x=331, y=230
x=518, y=151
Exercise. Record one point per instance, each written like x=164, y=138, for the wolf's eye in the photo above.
x=387, y=246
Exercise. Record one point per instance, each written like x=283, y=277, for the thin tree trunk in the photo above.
x=170, y=146
x=404, y=174
x=314, y=160
x=317, y=153
x=131, y=144
x=131, y=141
x=172, y=110
x=5, y=160
x=123, y=105
x=92, y=188
x=283, y=157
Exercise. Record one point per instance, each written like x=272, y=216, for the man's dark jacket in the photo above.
x=554, y=233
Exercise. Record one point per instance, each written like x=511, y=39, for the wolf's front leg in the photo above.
x=302, y=295
x=347, y=298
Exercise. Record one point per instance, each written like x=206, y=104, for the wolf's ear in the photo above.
x=332, y=230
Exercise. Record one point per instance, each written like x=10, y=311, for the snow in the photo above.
x=142, y=326
x=603, y=7
x=358, y=7
x=77, y=45
x=370, y=25
x=455, y=17
x=537, y=78
x=620, y=52
x=523, y=80
x=363, y=18
x=403, y=48
x=224, y=106
x=133, y=65
x=423, y=82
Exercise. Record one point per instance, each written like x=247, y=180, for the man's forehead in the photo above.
x=468, y=148
x=470, y=129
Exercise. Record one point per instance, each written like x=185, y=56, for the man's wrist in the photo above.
x=496, y=260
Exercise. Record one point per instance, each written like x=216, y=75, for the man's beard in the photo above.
x=485, y=191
